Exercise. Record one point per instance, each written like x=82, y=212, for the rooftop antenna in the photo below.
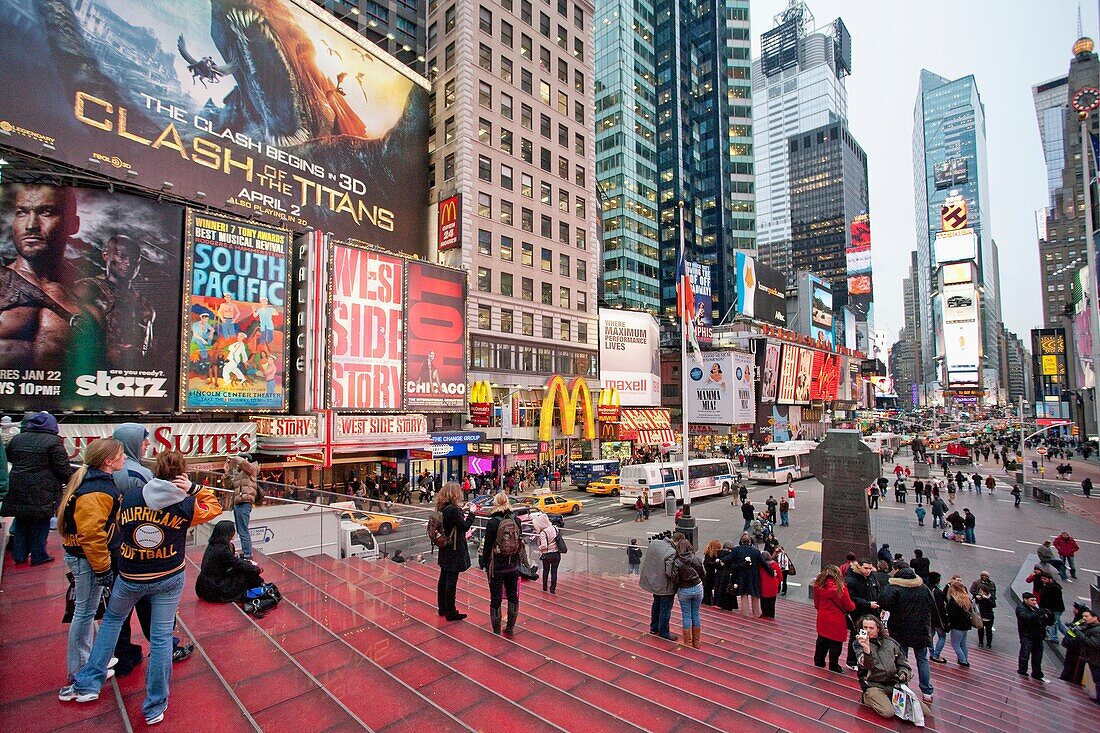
x=1080, y=28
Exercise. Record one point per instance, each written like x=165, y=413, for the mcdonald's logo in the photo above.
x=450, y=223
x=567, y=402
x=481, y=403
x=608, y=405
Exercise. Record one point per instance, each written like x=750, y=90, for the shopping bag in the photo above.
x=907, y=705
x=70, y=601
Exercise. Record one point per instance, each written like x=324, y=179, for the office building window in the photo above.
x=563, y=103
x=578, y=175
x=563, y=71
x=563, y=136
x=547, y=294
x=484, y=317
x=485, y=205
x=484, y=242
x=485, y=94
x=485, y=57
x=563, y=265
x=527, y=289
x=484, y=168
x=528, y=324
x=546, y=227
x=578, y=49
x=566, y=330
x=484, y=131
x=449, y=56
x=578, y=112
x=548, y=327
x=546, y=193
x=526, y=81
x=547, y=259
x=582, y=300
x=449, y=19
x=526, y=185
x=578, y=206
x=582, y=332
x=527, y=220
x=505, y=321
x=526, y=150
x=448, y=130
x=506, y=212
x=506, y=283
x=506, y=106
x=525, y=11
x=506, y=178
x=563, y=297
x=484, y=279
x=563, y=200
x=546, y=159
x=525, y=46
x=544, y=126
x=528, y=254
x=563, y=167
x=485, y=20
x=449, y=167
x=506, y=68
x=506, y=39
x=448, y=94
x=563, y=232
x=544, y=92
x=578, y=81
x=582, y=270
x=578, y=143
x=506, y=141
x=506, y=248
x=544, y=24
x=582, y=239
x=526, y=117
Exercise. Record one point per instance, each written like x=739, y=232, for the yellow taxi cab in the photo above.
x=376, y=523
x=604, y=486
x=553, y=504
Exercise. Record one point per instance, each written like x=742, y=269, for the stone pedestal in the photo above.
x=846, y=467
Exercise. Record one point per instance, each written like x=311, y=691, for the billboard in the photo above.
x=270, y=107
x=769, y=374
x=236, y=280
x=366, y=329
x=957, y=246
x=761, y=291
x=804, y=376
x=1082, y=330
x=704, y=302
x=953, y=216
x=960, y=303
x=720, y=391
x=435, y=333
x=630, y=357
x=825, y=378
x=950, y=173
x=788, y=374
x=959, y=272
x=858, y=261
x=449, y=223
x=89, y=300
x=962, y=351
x=821, y=310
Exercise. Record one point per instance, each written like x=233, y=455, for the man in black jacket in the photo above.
x=1031, y=623
x=911, y=606
x=920, y=564
x=863, y=589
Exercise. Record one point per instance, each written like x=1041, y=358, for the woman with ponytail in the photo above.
x=86, y=522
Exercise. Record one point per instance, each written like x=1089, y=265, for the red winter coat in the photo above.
x=1066, y=546
x=769, y=584
x=832, y=608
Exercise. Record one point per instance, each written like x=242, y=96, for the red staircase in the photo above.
x=358, y=645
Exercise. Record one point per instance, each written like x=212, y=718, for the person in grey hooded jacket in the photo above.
x=657, y=577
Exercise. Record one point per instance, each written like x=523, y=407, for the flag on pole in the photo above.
x=685, y=306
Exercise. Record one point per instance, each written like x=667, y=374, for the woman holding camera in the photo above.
x=882, y=665
x=224, y=577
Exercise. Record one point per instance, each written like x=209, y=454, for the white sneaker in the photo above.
x=111, y=664
x=157, y=718
x=926, y=698
x=69, y=694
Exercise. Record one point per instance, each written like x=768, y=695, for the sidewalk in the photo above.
x=1076, y=502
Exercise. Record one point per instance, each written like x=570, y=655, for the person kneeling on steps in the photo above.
x=881, y=665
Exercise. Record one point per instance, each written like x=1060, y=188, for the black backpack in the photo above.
x=259, y=601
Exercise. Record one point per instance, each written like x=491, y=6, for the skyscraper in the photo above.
x=512, y=159
x=704, y=141
x=626, y=153
x=949, y=160
x=1062, y=249
x=798, y=87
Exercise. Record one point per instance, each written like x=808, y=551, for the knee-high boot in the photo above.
x=494, y=616
x=695, y=632
x=513, y=614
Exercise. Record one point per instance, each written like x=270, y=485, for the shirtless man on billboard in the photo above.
x=37, y=307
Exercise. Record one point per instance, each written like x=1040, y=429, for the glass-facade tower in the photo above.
x=626, y=153
x=949, y=125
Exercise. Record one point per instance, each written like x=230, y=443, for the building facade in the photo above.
x=626, y=153
x=1062, y=234
x=1017, y=367
x=396, y=26
x=512, y=161
x=704, y=143
x=798, y=87
x=950, y=160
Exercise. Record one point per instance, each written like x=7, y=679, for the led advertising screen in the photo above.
x=761, y=291
x=269, y=107
x=704, y=302
x=788, y=374
x=959, y=272
x=435, y=353
x=857, y=257
x=821, y=310
x=962, y=346
x=769, y=373
x=825, y=378
x=630, y=357
x=950, y=173
x=366, y=314
x=89, y=300
x=960, y=303
x=235, y=315
x=956, y=246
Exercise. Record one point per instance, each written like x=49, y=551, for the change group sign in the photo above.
x=266, y=105
x=89, y=300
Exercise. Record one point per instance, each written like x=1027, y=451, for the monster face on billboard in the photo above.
x=267, y=107
x=89, y=300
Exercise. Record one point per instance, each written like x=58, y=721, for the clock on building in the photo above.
x=1086, y=99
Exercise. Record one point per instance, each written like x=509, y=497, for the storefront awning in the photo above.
x=660, y=436
x=633, y=420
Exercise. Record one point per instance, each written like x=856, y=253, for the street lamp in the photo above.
x=504, y=404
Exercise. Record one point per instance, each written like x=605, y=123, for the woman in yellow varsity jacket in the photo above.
x=153, y=522
x=86, y=521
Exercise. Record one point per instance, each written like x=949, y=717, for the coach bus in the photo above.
x=709, y=477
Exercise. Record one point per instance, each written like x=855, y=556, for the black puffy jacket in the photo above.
x=912, y=608
x=39, y=471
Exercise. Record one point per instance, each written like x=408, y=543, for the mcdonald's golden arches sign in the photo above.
x=450, y=223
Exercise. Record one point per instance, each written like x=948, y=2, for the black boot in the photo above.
x=494, y=616
x=513, y=614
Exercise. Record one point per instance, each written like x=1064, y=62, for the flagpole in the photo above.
x=684, y=325
x=1090, y=261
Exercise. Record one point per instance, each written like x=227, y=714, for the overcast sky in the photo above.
x=1008, y=45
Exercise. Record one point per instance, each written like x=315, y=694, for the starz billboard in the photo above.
x=267, y=107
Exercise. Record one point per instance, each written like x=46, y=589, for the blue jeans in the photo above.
x=941, y=642
x=28, y=537
x=659, y=614
x=970, y=535
x=241, y=514
x=164, y=597
x=958, y=643
x=82, y=629
x=783, y=519
x=1059, y=626
x=690, y=601
x=748, y=524
x=1071, y=564
x=924, y=672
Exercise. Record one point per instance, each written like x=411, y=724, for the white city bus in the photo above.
x=776, y=461
x=879, y=441
x=709, y=476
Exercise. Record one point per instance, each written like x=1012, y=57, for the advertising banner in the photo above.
x=953, y=216
x=366, y=327
x=435, y=353
x=950, y=173
x=744, y=394
x=630, y=357
x=825, y=379
x=788, y=374
x=761, y=291
x=269, y=106
x=804, y=376
x=858, y=260
x=769, y=374
x=959, y=246
x=194, y=440
x=450, y=223
x=236, y=280
x=960, y=303
x=89, y=300
x=704, y=302
x=962, y=344
x=710, y=392
x=959, y=272
x=821, y=310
